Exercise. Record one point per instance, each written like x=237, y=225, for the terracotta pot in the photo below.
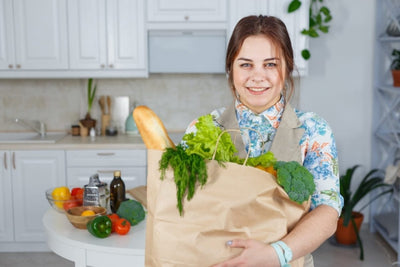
x=396, y=78
x=347, y=235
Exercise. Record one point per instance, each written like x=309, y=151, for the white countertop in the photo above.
x=121, y=141
x=80, y=246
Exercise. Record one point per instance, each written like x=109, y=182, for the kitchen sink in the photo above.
x=30, y=138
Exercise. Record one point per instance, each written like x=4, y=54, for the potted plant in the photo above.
x=350, y=221
x=395, y=67
x=88, y=121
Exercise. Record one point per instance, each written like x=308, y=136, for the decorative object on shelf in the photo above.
x=319, y=17
x=349, y=234
x=393, y=29
x=88, y=121
x=395, y=67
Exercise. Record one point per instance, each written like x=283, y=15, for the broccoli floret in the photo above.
x=295, y=179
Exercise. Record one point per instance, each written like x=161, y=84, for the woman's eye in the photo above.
x=245, y=65
x=271, y=65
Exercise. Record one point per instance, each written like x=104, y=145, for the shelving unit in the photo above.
x=386, y=112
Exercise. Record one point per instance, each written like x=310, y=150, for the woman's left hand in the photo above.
x=255, y=253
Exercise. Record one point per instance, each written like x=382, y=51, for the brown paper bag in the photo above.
x=237, y=202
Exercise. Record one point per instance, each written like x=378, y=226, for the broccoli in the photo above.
x=295, y=179
x=131, y=210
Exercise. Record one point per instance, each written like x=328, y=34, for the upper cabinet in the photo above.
x=109, y=38
x=295, y=22
x=186, y=11
x=33, y=35
x=107, y=35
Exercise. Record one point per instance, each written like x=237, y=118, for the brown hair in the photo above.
x=275, y=30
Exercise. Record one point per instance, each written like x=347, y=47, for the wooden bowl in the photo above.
x=75, y=218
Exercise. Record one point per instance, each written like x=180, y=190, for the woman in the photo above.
x=259, y=65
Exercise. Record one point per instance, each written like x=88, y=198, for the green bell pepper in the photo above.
x=100, y=226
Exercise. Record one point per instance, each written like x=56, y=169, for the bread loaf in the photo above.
x=151, y=129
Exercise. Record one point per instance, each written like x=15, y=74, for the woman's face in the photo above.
x=256, y=73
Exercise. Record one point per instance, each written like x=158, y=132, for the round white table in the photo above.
x=79, y=246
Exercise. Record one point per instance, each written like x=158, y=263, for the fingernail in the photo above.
x=229, y=243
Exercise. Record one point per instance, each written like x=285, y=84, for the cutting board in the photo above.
x=140, y=194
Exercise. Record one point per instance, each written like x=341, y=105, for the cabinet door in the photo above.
x=40, y=34
x=186, y=10
x=34, y=173
x=87, y=34
x=126, y=38
x=6, y=36
x=6, y=203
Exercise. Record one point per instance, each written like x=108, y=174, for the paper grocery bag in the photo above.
x=236, y=202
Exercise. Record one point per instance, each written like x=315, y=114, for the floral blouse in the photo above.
x=317, y=145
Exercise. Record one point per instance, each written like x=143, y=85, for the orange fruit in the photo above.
x=88, y=213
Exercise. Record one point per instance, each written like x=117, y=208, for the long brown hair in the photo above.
x=275, y=30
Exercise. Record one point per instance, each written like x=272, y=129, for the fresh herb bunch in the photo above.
x=188, y=171
x=319, y=18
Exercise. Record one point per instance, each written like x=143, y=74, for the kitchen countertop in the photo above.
x=121, y=141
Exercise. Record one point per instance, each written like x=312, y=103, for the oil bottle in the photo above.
x=117, y=191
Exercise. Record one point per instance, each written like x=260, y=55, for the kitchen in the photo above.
x=338, y=86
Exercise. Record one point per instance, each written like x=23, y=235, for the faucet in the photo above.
x=38, y=126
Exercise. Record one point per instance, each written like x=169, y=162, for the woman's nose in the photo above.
x=259, y=75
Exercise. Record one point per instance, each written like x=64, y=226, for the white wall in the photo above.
x=340, y=81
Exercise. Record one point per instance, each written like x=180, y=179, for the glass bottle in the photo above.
x=117, y=191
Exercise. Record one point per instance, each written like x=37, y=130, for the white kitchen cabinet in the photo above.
x=81, y=164
x=33, y=35
x=295, y=22
x=25, y=176
x=107, y=36
x=186, y=10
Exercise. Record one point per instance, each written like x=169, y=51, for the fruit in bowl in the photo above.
x=63, y=198
x=80, y=216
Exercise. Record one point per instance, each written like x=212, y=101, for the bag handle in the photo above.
x=238, y=131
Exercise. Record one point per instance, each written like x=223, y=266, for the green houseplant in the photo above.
x=88, y=121
x=395, y=67
x=347, y=223
x=319, y=18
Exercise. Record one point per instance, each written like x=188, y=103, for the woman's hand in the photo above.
x=255, y=253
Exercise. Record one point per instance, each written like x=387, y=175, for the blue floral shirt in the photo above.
x=317, y=145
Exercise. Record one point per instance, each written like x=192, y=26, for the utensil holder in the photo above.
x=105, y=121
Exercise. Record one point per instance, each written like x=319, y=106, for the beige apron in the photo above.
x=285, y=145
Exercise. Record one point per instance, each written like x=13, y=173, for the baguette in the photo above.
x=151, y=129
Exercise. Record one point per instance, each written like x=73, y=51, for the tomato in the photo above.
x=114, y=218
x=60, y=193
x=122, y=226
x=77, y=192
x=71, y=203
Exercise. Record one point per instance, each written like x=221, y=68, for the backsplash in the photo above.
x=176, y=98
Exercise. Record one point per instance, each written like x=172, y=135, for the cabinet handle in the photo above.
x=102, y=66
x=10, y=66
x=186, y=18
x=106, y=154
x=111, y=66
x=105, y=171
x=13, y=160
x=18, y=66
x=5, y=161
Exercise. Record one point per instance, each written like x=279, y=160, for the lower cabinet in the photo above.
x=81, y=164
x=24, y=178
